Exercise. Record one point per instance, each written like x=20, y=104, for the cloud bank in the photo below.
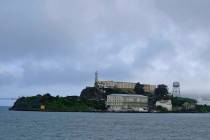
x=56, y=46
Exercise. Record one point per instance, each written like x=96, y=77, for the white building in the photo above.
x=127, y=102
x=165, y=104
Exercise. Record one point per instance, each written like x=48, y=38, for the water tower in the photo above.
x=176, y=89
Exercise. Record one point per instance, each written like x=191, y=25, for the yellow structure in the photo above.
x=42, y=107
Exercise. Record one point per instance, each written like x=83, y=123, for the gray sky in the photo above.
x=56, y=46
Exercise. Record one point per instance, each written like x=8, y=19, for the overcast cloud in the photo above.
x=56, y=46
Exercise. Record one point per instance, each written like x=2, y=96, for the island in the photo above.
x=94, y=100
x=115, y=96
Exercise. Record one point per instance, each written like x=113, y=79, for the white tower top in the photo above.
x=176, y=89
x=96, y=76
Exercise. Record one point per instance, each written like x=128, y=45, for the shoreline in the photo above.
x=112, y=112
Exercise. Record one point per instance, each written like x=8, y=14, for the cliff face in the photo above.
x=27, y=103
x=92, y=93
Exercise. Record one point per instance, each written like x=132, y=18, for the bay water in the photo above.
x=20, y=125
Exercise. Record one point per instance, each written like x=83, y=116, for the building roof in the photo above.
x=134, y=95
x=116, y=81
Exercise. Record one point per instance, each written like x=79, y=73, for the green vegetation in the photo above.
x=161, y=109
x=139, y=89
x=203, y=108
x=69, y=103
x=181, y=104
x=179, y=101
x=161, y=92
x=27, y=103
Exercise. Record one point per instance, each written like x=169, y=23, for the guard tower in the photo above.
x=176, y=89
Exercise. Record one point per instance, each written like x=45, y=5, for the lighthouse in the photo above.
x=96, y=76
x=96, y=79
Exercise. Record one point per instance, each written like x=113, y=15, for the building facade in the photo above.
x=127, y=102
x=125, y=85
x=149, y=88
x=113, y=84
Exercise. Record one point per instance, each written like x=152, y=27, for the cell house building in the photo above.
x=123, y=85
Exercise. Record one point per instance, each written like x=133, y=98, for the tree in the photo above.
x=179, y=101
x=139, y=89
x=161, y=92
x=45, y=98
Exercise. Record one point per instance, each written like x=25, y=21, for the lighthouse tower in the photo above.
x=96, y=79
x=96, y=76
